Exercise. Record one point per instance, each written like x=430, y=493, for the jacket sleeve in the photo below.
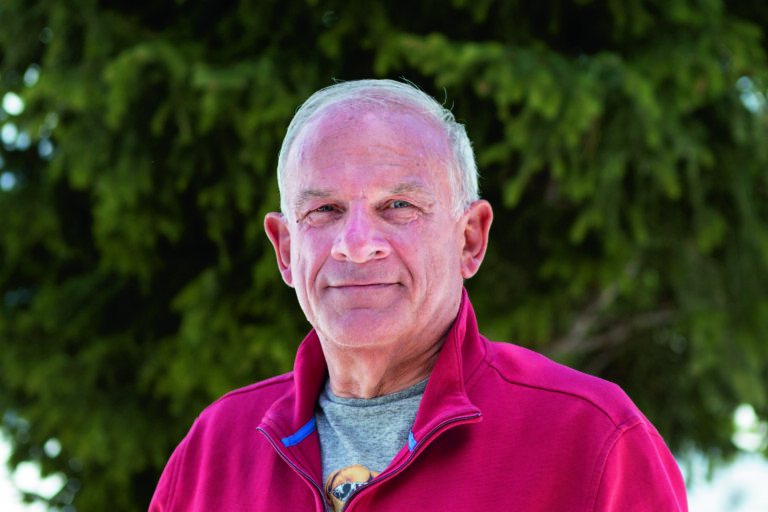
x=640, y=474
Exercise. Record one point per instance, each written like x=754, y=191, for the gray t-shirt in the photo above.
x=360, y=437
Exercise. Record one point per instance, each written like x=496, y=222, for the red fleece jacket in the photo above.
x=499, y=428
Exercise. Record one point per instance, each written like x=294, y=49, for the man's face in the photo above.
x=369, y=242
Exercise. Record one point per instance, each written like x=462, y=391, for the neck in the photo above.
x=368, y=372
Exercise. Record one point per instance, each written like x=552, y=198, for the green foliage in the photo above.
x=622, y=144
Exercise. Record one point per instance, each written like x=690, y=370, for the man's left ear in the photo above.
x=477, y=225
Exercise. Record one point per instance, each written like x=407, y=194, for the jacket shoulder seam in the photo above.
x=609, y=444
x=634, y=418
x=177, y=464
x=274, y=381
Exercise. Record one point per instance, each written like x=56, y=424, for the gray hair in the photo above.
x=389, y=93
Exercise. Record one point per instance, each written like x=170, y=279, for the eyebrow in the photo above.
x=408, y=186
x=308, y=195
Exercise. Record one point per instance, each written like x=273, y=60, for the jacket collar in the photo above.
x=445, y=398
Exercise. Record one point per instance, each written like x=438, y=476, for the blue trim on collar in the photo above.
x=411, y=441
x=300, y=435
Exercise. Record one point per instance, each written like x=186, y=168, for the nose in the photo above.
x=359, y=239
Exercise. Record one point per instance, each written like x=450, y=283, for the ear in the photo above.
x=477, y=225
x=276, y=226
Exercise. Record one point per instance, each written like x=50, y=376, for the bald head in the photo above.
x=366, y=99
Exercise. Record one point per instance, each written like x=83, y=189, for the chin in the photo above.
x=363, y=338
x=361, y=330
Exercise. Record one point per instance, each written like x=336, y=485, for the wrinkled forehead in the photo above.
x=410, y=131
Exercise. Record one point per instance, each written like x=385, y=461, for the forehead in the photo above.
x=358, y=138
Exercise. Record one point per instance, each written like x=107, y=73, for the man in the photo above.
x=396, y=402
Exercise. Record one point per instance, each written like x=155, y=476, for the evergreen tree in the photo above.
x=622, y=144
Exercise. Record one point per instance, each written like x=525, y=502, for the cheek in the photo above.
x=435, y=257
x=448, y=258
x=308, y=254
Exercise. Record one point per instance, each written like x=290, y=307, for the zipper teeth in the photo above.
x=410, y=456
x=297, y=469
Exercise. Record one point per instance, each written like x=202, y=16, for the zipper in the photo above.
x=442, y=426
x=298, y=470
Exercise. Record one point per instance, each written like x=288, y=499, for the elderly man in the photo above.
x=396, y=402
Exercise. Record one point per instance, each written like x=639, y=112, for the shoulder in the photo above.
x=207, y=456
x=538, y=375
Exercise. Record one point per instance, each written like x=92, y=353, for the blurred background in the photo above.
x=623, y=145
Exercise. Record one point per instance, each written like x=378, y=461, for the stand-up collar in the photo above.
x=292, y=416
x=445, y=398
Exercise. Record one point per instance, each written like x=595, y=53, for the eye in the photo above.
x=399, y=204
x=400, y=211
x=320, y=215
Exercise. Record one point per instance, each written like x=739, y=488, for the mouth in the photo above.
x=360, y=286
